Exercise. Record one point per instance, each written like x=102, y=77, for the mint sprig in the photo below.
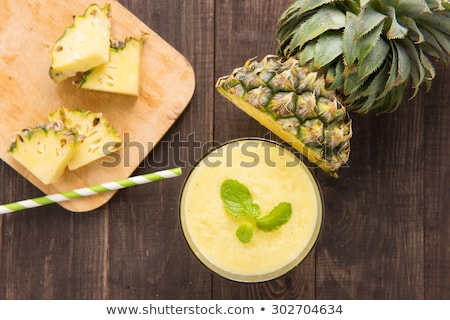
x=238, y=202
x=245, y=232
x=276, y=218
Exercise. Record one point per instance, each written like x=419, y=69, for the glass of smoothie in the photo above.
x=251, y=210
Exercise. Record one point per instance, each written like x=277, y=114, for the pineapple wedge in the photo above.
x=98, y=137
x=84, y=44
x=121, y=73
x=44, y=151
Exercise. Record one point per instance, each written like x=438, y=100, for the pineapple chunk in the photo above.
x=121, y=73
x=98, y=137
x=44, y=151
x=84, y=44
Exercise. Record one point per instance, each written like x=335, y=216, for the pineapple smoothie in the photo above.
x=251, y=210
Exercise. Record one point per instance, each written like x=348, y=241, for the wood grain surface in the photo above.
x=386, y=230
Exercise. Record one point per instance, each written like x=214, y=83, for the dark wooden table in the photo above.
x=386, y=231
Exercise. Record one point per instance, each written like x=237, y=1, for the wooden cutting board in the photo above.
x=27, y=94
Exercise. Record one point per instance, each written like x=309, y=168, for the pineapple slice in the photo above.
x=44, y=151
x=121, y=73
x=84, y=44
x=98, y=137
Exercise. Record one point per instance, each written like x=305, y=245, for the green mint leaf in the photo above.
x=245, y=232
x=276, y=218
x=237, y=200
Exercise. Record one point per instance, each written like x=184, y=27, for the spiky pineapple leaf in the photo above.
x=351, y=83
x=395, y=99
x=436, y=20
x=288, y=23
x=287, y=32
x=417, y=69
x=411, y=24
x=366, y=104
x=368, y=19
x=330, y=75
x=432, y=46
x=338, y=81
x=370, y=89
x=377, y=83
x=442, y=39
x=373, y=60
x=309, y=5
x=404, y=64
x=396, y=30
x=326, y=18
x=355, y=97
x=328, y=47
x=361, y=34
x=307, y=53
x=392, y=71
x=293, y=8
x=367, y=42
x=430, y=72
x=411, y=7
x=349, y=37
x=354, y=5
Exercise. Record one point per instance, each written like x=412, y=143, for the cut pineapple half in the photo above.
x=98, y=137
x=84, y=44
x=294, y=103
x=121, y=73
x=44, y=151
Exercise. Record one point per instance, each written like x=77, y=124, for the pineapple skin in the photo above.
x=121, y=74
x=83, y=45
x=97, y=137
x=275, y=92
x=44, y=151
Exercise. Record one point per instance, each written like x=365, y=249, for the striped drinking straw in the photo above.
x=89, y=191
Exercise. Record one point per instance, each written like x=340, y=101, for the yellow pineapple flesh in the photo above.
x=97, y=137
x=83, y=45
x=44, y=151
x=121, y=74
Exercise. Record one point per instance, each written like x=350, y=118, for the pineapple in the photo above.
x=98, y=137
x=335, y=57
x=293, y=102
x=84, y=44
x=121, y=73
x=44, y=151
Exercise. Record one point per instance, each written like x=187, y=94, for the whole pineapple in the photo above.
x=357, y=55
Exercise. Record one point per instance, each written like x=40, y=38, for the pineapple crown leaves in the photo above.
x=370, y=50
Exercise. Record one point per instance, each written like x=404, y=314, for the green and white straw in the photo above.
x=89, y=191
